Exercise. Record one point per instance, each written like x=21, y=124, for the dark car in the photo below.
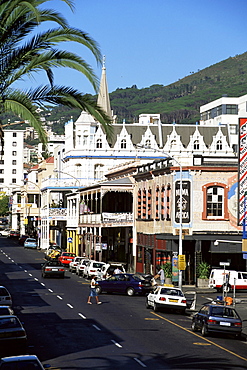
x=52, y=268
x=214, y=318
x=22, y=239
x=14, y=234
x=13, y=337
x=129, y=284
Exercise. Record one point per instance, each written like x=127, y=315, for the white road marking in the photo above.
x=116, y=343
x=36, y=279
x=25, y=270
x=69, y=305
x=42, y=284
x=139, y=362
x=30, y=274
x=50, y=290
x=82, y=316
x=58, y=296
x=96, y=327
x=12, y=261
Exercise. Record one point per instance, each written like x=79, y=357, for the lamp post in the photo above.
x=180, y=240
x=39, y=219
x=68, y=174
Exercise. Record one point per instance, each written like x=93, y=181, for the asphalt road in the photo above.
x=66, y=332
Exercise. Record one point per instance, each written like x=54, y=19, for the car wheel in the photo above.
x=98, y=289
x=193, y=326
x=204, y=330
x=155, y=307
x=147, y=304
x=130, y=292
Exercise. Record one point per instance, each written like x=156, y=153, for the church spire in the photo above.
x=103, y=97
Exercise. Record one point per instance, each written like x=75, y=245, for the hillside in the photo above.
x=179, y=101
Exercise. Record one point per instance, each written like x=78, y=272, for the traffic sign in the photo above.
x=70, y=240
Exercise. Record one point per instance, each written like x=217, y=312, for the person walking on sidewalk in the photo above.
x=93, y=292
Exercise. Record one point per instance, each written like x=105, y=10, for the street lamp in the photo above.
x=39, y=218
x=68, y=174
x=180, y=241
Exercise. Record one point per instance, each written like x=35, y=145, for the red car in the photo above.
x=66, y=258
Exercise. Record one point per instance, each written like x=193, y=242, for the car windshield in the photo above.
x=53, y=263
x=31, y=240
x=97, y=265
x=9, y=323
x=169, y=291
x=3, y=292
x=68, y=254
x=223, y=312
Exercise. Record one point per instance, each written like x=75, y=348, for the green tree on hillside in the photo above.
x=24, y=52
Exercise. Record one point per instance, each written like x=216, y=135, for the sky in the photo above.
x=147, y=42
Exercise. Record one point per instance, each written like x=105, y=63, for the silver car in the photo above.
x=22, y=362
x=5, y=297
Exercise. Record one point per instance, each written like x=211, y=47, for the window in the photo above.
x=1, y=171
x=14, y=171
x=1, y=180
x=148, y=144
x=14, y=152
x=13, y=181
x=219, y=145
x=123, y=144
x=99, y=143
x=196, y=145
x=98, y=171
x=14, y=162
x=14, y=134
x=1, y=161
x=14, y=143
x=215, y=201
x=231, y=109
x=219, y=110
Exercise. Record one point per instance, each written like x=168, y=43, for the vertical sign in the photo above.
x=242, y=171
x=185, y=207
x=175, y=270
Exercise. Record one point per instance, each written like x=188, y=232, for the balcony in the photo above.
x=107, y=219
x=58, y=214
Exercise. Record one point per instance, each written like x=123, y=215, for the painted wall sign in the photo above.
x=186, y=189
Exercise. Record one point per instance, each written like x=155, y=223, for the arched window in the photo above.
x=219, y=145
x=139, y=204
x=123, y=144
x=98, y=171
x=215, y=201
x=148, y=144
x=99, y=143
x=144, y=204
x=149, y=203
x=196, y=145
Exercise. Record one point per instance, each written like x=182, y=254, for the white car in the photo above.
x=76, y=261
x=4, y=232
x=79, y=270
x=166, y=297
x=5, y=297
x=92, y=268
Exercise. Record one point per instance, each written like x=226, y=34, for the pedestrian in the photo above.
x=161, y=276
x=117, y=271
x=93, y=292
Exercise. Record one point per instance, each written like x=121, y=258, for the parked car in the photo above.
x=14, y=234
x=129, y=284
x=76, y=261
x=5, y=297
x=30, y=243
x=166, y=297
x=13, y=337
x=214, y=318
x=108, y=269
x=92, y=268
x=53, y=247
x=81, y=267
x=66, y=257
x=30, y=362
x=4, y=232
x=6, y=310
x=52, y=268
x=22, y=239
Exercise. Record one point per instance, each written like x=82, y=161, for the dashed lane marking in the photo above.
x=82, y=316
x=70, y=305
x=96, y=327
x=59, y=297
x=116, y=343
x=50, y=290
x=139, y=362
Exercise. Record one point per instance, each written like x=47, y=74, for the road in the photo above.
x=67, y=333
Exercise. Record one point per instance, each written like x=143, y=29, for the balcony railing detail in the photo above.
x=107, y=218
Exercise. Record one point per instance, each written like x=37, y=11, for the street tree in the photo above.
x=25, y=51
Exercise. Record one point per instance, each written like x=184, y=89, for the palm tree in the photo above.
x=24, y=53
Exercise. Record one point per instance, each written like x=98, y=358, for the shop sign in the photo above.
x=185, y=207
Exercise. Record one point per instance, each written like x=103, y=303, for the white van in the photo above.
x=219, y=278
